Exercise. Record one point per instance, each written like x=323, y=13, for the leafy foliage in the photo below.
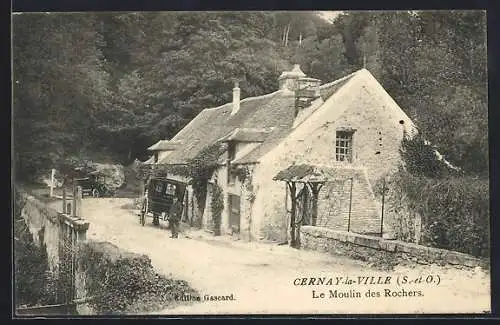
x=433, y=63
x=199, y=170
x=420, y=158
x=32, y=278
x=454, y=211
x=123, y=283
x=241, y=172
x=217, y=206
x=117, y=82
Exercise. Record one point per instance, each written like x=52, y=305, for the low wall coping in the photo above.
x=393, y=246
x=75, y=222
x=50, y=213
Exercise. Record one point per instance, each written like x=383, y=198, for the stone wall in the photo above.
x=339, y=209
x=361, y=105
x=43, y=224
x=372, y=248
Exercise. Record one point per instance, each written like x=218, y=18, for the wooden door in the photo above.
x=234, y=213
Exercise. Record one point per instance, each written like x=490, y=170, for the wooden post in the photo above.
x=185, y=210
x=292, y=214
x=72, y=239
x=350, y=208
x=192, y=210
x=64, y=201
x=315, y=188
x=382, y=213
x=78, y=202
x=143, y=189
x=52, y=182
x=73, y=205
x=82, y=235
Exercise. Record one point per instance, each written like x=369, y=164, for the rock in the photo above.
x=114, y=174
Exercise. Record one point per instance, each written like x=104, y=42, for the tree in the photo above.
x=433, y=64
x=59, y=81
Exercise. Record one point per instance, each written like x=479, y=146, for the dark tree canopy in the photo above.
x=114, y=83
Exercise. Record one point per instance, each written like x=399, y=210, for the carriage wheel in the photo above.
x=156, y=220
x=95, y=193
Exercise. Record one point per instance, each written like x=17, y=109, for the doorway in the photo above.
x=234, y=213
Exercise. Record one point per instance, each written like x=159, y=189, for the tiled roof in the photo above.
x=272, y=111
x=246, y=135
x=317, y=173
x=165, y=145
x=275, y=109
x=329, y=89
x=274, y=137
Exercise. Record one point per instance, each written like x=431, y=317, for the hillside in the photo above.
x=111, y=84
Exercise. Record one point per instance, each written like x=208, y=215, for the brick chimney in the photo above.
x=307, y=91
x=288, y=79
x=236, y=98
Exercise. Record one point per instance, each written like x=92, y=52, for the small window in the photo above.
x=343, y=146
x=232, y=177
x=158, y=188
x=231, y=151
x=170, y=189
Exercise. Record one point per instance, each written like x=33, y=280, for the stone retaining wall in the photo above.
x=375, y=248
x=43, y=224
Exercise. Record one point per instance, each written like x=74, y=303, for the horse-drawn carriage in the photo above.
x=159, y=196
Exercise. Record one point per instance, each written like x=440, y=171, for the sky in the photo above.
x=329, y=15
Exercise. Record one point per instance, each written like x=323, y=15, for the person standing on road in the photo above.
x=145, y=196
x=174, y=216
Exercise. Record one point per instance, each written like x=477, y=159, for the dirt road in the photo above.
x=261, y=276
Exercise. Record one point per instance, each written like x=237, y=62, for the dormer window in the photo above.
x=343, y=145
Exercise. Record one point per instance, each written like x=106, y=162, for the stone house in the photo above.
x=351, y=125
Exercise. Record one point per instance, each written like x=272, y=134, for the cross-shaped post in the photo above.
x=52, y=182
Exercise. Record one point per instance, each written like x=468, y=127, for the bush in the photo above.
x=454, y=210
x=125, y=282
x=32, y=279
x=420, y=158
x=217, y=208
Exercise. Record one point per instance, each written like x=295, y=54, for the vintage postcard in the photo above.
x=250, y=163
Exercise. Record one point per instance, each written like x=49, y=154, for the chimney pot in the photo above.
x=307, y=91
x=236, y=98
x=288, y=79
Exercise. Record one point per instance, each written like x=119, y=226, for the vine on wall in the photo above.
x=217, y=206
x=241, y=171
x=198, y=169
x=249, y=187
x=33, y=280
x=454, y=211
